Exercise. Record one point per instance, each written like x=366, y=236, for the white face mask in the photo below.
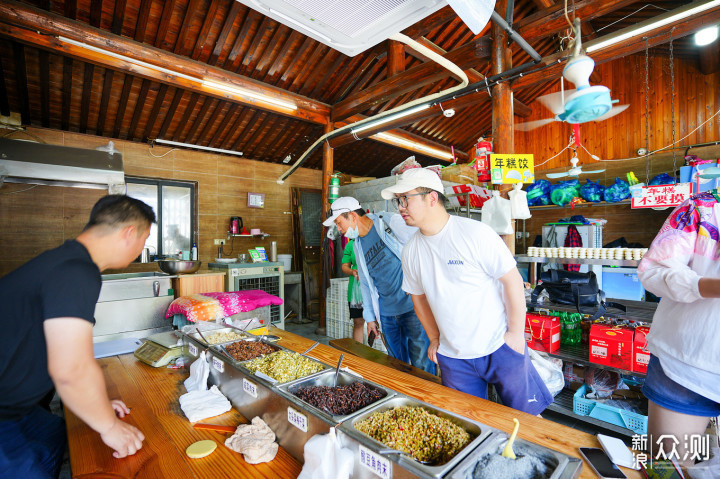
x=352, y=233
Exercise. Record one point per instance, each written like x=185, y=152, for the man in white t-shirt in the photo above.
x=468, y=295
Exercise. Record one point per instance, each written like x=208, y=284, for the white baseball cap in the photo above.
x=411, y=179
x=345, y=204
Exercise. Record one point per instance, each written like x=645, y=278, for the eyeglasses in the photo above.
x=403, y=200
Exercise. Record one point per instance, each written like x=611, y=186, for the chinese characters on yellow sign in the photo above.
x=512, y=169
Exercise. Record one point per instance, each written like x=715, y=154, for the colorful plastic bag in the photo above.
x=661, y=179
x=538, y=193
x=617, y=192
x=562, y=193
x=592, y=192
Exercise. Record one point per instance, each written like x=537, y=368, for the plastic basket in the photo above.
x=619, y=417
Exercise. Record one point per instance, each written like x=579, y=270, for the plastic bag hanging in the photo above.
x=518, y=203
x=355, y=297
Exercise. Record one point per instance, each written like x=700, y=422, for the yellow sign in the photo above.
x=512, y=169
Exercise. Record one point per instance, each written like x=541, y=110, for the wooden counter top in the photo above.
x=152, y=394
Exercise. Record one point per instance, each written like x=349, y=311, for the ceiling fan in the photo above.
x=583, y=104
x=574, y=170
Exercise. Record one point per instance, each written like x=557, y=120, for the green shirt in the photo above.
x=349, y=257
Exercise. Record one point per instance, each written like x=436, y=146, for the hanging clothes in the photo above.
x=573, y=240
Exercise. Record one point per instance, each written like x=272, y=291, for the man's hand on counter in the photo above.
x=124, y=439
x=119, y=407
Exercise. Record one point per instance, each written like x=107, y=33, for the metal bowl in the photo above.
x=176, y=266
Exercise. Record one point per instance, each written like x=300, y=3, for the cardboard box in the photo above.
x=574, y=375
x=542, y=333
x=611, y=346
x=641, y=357
x=463, y=174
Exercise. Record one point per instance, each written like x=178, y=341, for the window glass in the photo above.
x=149, y=195
x=176, y=221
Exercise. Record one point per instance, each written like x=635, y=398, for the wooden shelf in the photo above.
x=580, y=205
x=523, y=258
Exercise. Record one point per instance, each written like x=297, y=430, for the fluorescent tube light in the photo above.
x=446, y=155
x=706, y=36
x=247, y=93
x=651, y=24
x=208, y=83
x=189, y=145
x=389, y=118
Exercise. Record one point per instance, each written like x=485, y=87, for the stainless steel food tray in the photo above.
x=222, y=347
x=326, y=378
x=199, y=339
x=561, y=465
x=480, y=431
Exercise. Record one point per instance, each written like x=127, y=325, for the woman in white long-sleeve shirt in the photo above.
x=683, y=379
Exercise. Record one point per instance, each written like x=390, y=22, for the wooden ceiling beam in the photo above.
x=205, y=132
x=520, y=108
x=44, y=66
x=139, y=108
x=118, y=17
x=467, y=56
x=198, y=119
x=4, y=101
x=223, y=128
x=21, y=82
x=170, y=114
x=168, y=7
x=122, y=105
x=189, y=108
x=225, y=32
x=551, y=20
x=66, y=93
x=95, y=12
x=430, y=23
x=395, y=57
x=88, y=73
x=159, y=99
x=658, y=36
x=104, y=100
x=22, y=23
x=142, y=19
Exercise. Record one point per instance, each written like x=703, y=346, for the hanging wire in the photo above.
x=647, y=112
x=672, y=100
x=558, y=154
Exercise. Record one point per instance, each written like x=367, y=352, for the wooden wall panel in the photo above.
x=696, y=100
x=36, y=218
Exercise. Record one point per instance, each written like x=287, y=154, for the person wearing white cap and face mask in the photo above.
x=468, y=295
x=379, y=239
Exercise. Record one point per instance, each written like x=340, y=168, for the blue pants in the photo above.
x=516, y=380
x=407, y=340
x=33, y=446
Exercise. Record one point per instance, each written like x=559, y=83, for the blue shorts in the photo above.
x=665, y=392
x=516, y=380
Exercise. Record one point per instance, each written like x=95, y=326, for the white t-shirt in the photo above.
x=458, y=271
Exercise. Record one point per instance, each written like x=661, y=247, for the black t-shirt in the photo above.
x=62, y=282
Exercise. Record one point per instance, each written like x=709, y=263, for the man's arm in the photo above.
x=514, y=299
x=347, y=269
x=79, y=382
x=427, y=319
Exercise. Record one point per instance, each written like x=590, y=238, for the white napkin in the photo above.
x=199, y=405
x=199, y=372
x=256, y=441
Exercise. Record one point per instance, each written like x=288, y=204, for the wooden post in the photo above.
x=502, y=108
x=395, y=58
x=327, y=173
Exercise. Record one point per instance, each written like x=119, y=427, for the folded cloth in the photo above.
x=199, y=372
x=213, y=306
x=255, y=441
x=198, y=405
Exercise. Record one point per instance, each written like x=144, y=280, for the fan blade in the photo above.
x=531, y=125
x=557, y=175
x=554, y=101
x=592, y=171
x=613, y=111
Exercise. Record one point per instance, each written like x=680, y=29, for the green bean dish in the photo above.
x=416, y=431
x=284, y=366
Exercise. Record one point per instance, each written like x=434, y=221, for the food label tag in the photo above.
x=376, y=463
x=218, y=365
x=249, y=388
x=297, y=419
x=193, y=349
x=599, y=351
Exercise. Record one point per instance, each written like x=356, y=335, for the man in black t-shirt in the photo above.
x=46, y=322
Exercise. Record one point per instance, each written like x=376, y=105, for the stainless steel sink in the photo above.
x=151, y=274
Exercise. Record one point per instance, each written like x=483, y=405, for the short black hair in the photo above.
x=442, y=199
x=117, y=210
x=359, y=212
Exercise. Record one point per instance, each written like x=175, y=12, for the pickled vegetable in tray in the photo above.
x=340, y=400
x=284, y=366
x=415, y=430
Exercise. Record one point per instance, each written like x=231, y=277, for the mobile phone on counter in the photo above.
x=601, y=463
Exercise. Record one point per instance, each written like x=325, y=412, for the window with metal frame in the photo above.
x=174, y=205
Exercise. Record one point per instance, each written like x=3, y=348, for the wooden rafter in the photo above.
x=118, y=17
x=66, y=92
x=220, y=131
x=205, y=133
x=104, y=100
x=4, y=102
x=122, y=105
x=189, y=108
x=142, y=19
x=85, y=99
x=44, y=70
x=159, y=99
x=170, y=114
x=139, y=107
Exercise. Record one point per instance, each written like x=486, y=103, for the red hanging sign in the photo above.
x=662, y=196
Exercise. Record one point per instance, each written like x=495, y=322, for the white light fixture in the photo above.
x=445, y=155
x=224, y=87
x=189, y=145
x=389, y=118
x=651, y=24
x=706, y=36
